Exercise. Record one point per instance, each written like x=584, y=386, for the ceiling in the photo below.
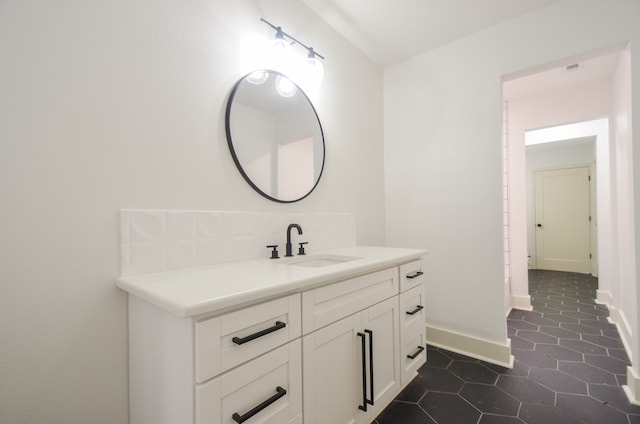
x=390, y=31
x=572, y=73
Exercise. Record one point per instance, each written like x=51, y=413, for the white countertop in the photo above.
x=217, y=288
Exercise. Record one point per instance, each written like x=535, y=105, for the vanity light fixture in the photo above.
x=314, y=68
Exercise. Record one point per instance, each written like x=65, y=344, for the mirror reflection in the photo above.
x=275, y=136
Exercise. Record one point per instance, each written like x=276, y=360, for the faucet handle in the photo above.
x=274, y=251
x=301, y=248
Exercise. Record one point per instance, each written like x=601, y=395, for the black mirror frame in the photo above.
x=236, y=160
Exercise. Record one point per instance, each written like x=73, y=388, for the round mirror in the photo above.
x=275, y=136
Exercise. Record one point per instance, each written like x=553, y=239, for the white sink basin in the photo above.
x=316, y=261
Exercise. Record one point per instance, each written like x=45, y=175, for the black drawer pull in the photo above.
x=415, y=311
x=418, y=352
x=242, y=418
x=370, y=333
x=243, y=340
x=416, y=275
x=363, y=407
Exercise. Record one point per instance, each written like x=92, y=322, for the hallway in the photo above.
x=569, y=368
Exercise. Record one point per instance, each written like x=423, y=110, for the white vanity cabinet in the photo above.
x=332, y=346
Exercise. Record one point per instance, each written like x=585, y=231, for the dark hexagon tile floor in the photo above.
x=569, y=368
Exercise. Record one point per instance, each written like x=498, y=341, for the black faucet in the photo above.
x=288, y=246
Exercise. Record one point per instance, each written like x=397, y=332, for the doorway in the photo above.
x=543, y=108
x=541, y=100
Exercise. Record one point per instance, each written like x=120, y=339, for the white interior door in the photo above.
x=562, y=219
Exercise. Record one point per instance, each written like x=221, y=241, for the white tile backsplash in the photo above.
x=144, y=226
x=181, y=254
x=180, y=226
x=157, y=240
x=208, y=225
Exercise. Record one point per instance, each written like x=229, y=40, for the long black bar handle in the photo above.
x=416, y=275
x=363, y=407
x=370, y=333
x=243, y=340
x=415, y=311
x=418, y=352
x=280, y=392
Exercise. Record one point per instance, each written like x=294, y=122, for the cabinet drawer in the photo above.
x=413, y=354
x=331, y=303
x=412, y=274
x=412, y=305
x=229, y=340
x=269, y=389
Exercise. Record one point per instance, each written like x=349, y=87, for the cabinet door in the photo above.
x=380, y=324
x=332, y=364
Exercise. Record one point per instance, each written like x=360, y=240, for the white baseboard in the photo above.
x=632, y=388
x=521, y=302
x=485, y=350
x=604, y=298
x=616, y=317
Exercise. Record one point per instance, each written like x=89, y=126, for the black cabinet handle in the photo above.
x=242, y=418
x=370, y=333
x=243, y=340
x=415, y=311
x=363, y=407
x=416, y=275
x=418, y=352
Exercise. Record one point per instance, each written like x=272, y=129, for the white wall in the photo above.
x=117, y=104
x=623, y=288
x=443, y=155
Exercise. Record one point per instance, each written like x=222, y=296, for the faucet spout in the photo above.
x=288, y=245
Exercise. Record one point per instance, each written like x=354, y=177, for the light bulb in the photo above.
x=280, y=44
x=314, y=68
x=281, y=54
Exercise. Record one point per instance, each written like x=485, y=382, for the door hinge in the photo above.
x=589, y=218
x=589, y=255
x=589, y=177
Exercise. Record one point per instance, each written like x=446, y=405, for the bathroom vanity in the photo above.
x=330, y=337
